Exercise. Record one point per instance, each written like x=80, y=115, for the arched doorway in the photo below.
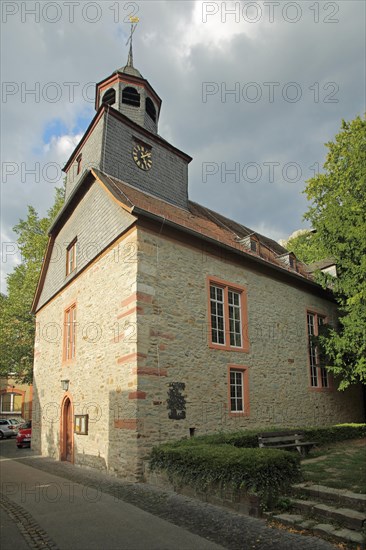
x=66, y=430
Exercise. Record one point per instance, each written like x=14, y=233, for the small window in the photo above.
x=238, y=390
x=109, y=97
x=81, y=422
x=292, y=261
x=78, y=164
x=130, y=96
x=70, y=333
x=253, y=245
x=71, y=257
x=150, y=109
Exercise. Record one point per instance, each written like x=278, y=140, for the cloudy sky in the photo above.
x=251, y=90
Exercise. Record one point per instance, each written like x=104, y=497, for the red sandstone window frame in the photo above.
x=324, y=380
x=71, y=257
x=237, y=392
x=226, y=287
x=69, y=341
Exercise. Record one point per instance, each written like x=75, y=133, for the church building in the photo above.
x=159, y=319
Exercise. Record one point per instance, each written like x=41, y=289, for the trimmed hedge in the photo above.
x=263, y=471
x=249, y=438
x=332, y=434
x=234, y=459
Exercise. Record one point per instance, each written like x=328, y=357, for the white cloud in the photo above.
x=61, y=147
x=177, y=52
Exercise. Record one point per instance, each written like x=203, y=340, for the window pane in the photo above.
x=17, y=403
x=324, y=376
x=234, y=318
x=236, y=391
x=70, y=329
x=5, y=402
x=217, y=315
x=312, y=350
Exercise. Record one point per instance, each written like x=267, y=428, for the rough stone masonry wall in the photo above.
x=103, y=380
x=175, y=363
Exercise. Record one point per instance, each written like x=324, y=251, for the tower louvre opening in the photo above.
x=150, y=109
x=130, y=96
x=109, y=98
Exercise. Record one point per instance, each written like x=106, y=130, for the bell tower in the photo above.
x=127, y=91
x=122, y=140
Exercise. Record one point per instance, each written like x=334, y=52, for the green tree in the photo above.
x=17, y=328
x=306, y=245
x=338, y=214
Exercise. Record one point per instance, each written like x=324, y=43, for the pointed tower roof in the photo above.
x=128, y=92
x=129, y=68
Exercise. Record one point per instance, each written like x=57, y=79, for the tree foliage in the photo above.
x=17, y=323
x=338, y=216
x=307, y=246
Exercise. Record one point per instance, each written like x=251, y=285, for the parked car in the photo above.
x=24, y=435
x=16, y=421
x=7, y=428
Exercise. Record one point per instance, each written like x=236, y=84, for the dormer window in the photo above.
x=289, y=259
x=130, y=96
x=250, y=242
x=78, y=164
x=109, y=97
x=71, y=257
x=150, y=109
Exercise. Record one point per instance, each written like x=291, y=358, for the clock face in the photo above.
x=142, y=156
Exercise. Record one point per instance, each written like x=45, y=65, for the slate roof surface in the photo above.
x=200, y=220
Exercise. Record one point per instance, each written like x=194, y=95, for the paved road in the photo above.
x=57, y=505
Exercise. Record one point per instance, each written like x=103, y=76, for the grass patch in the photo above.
x=341, y=466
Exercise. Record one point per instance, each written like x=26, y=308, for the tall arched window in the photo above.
x=109, y=97
x=150, y=109
x=130, y=96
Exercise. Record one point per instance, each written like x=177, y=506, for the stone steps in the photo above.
x=337, y=515
x=326, y=530
x=340, y=497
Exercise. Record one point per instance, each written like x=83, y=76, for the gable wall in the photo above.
x=96, y=221
x=102, y=377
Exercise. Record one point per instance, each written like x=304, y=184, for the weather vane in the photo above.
x=134, y=21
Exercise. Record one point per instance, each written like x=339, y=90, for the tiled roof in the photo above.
x=201, y=221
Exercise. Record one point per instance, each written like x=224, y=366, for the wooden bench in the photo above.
x=285, y=440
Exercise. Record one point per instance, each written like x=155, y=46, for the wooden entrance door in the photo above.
x=67, y=432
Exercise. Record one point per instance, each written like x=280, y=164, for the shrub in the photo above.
x=339, y=432
x=263, y=471
x=249, y=438
x=234, y=460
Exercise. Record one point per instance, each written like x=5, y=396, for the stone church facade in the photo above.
x=158, y=318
